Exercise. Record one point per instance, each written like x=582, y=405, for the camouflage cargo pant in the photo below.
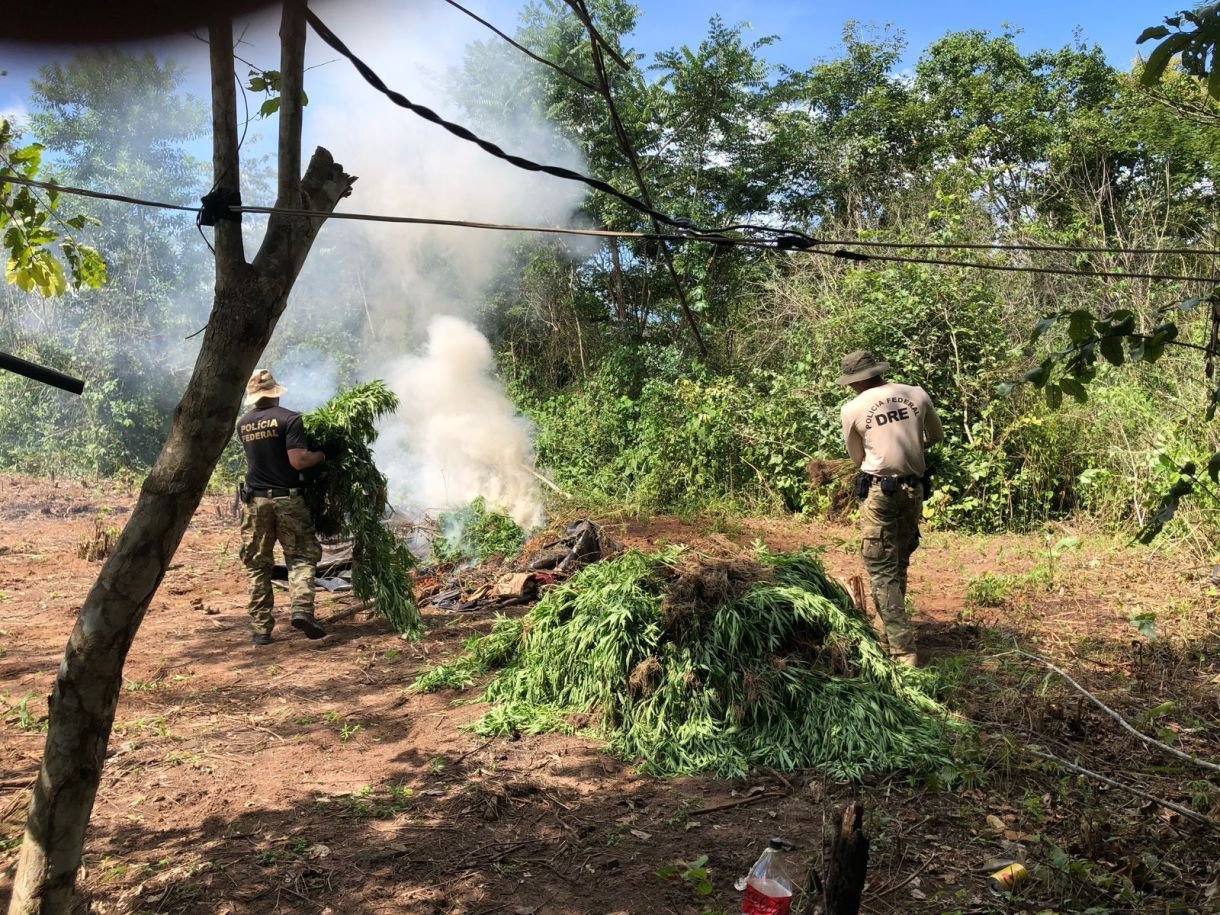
x=263, y=522
x=889, y=533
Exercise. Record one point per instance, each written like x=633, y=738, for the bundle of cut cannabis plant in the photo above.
x=347, y=497
x=692, y=665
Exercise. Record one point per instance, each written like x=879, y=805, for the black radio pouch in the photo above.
x=243, y=493
x=861, y=484
x=890, y=485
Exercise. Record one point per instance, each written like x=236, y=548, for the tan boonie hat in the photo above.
x=861, y=365
x=263, y=384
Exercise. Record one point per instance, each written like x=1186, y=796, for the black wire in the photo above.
x=710, y=238
x=487, y=146
x=1010, y=268
x=522, y=48
x=1000, y=246
x=98, y=195
x=685, y=236
x=199, y=226
x=587, y=21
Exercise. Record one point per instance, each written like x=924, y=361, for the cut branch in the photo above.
x=1170, y=805
x=1172, y=751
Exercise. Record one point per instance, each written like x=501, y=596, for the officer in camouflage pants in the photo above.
x=274, y=508
x=889, y=533
x=887, y=429
x=263, y=522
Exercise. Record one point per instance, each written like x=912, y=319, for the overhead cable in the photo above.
x=1012, y=268
x=522, y=48
x=556, y=171
x=620, y=132
x=587, y=21
x=686, y=236
x=713, y=238
x=1015, y=246
x=97, y=195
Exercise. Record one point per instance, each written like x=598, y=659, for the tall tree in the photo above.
x=847, y=135
x=249, y=298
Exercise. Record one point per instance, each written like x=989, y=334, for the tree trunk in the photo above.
x=248, y=302
x=616, y=282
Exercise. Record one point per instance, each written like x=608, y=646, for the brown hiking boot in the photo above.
x=308, y=625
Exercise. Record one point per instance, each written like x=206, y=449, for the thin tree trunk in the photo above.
x=616, y=282
x=248, y=301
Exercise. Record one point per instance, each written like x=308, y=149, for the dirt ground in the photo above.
x=304, y=777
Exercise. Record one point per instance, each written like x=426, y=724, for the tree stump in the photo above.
x=847, y=863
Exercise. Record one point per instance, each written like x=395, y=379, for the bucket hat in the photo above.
x=263, y=384
x=861, y=365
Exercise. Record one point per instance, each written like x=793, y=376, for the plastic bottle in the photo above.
x=768, y=886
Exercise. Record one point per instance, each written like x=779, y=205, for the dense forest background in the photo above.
x=712, y=385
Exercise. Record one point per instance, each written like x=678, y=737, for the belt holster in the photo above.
x=890, y=485
x=861, y=484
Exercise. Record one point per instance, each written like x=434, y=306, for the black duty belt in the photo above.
x=907, y=481
x=272, y=493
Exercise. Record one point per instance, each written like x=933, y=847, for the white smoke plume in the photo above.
x=456, y=435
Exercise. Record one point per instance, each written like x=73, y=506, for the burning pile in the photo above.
x=690, y=664
x=347, y=498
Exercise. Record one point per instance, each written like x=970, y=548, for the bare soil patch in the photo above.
x=302, y=777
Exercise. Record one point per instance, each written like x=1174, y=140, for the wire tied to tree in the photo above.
x=222, y=203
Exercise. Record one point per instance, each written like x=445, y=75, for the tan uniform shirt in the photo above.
x=888, y=428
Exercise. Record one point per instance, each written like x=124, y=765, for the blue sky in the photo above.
x=808, y=29
x=812, y=29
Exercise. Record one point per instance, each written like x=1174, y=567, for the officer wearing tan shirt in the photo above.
x=887, y=429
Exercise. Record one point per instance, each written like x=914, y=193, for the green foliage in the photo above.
x=1193, y=36
x=690, y=666
x=1113, y=337
x=682, y=443
x=268, y=83
x=694, y=873
x=989, y=589
x=475, y=533
x=20, y=714
x=346, y=495
x=1144, y=623
x=113, y=120
x=1116, y=339
x=481, y=654
x=30, y=225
